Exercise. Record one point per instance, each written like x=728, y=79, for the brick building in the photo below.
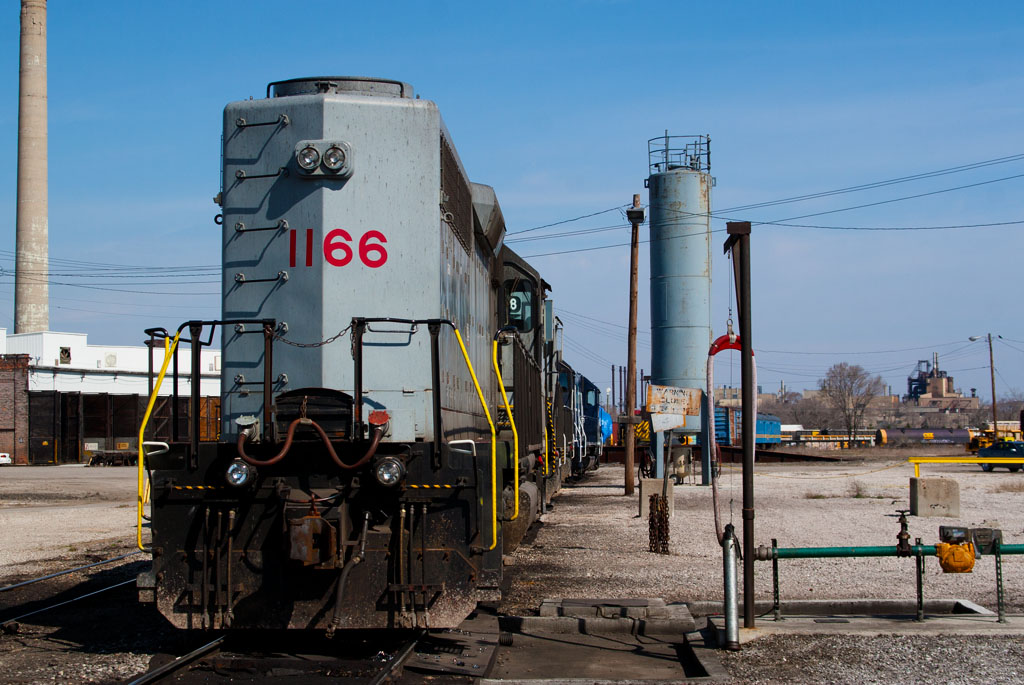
x=14, y=406
x=63, y=400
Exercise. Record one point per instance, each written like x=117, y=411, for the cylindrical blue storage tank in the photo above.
x=679, y=188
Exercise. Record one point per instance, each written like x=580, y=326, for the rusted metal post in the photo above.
x=636, y=217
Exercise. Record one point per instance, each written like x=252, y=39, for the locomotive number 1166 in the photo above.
x=337, y=248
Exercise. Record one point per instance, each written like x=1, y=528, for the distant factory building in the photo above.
x=63, y=400
x=930, y=389
x=729, y=396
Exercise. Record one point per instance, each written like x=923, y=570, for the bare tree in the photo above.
x=850, y=389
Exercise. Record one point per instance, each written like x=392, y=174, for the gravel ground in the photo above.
x=850, y=660
x=59, y=515
x=593, y=544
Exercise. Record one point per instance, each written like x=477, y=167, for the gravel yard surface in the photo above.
x=55, y=516
x=852, y=660
x=592, y=543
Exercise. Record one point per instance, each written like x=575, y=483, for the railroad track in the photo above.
x=11, y=624
x=179, y=664
x=12, y=615
x=220, y=655
x=7, y=588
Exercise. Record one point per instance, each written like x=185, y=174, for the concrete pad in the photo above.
x=653, y=486
x=959, y=624
x=552, y=658
x=606, y=608
x=934, y=497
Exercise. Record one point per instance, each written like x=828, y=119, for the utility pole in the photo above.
x=992, y=373
x=739, y=243
x=635, y=215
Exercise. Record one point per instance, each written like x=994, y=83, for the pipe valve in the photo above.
x=249, y=426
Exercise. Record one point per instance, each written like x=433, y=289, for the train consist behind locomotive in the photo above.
x=395, y=414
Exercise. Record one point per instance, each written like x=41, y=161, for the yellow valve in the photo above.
x=956, y=558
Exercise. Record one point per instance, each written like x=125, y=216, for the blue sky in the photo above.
x=552, y=104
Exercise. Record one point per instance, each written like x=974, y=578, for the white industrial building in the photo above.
x=66, y=362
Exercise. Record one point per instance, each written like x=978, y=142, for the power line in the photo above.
x=879, y=184
x=898, y=199
x=902, y=349
x=566, y=221
x=804, y=216
x=582, y=231
x=828, y=193
x=893, y=228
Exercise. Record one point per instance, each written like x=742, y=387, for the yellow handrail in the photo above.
x=917, y=461
x=515, y=433
x=169, y=349
x=494, y=458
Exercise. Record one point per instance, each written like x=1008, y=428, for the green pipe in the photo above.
x=765, y=553
x=823, y=552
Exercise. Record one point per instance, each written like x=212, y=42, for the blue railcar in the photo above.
x=729, y=426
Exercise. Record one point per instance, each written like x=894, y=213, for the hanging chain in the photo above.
x=328, y=341
x=657, y=523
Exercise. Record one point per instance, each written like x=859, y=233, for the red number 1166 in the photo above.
x=338, y=250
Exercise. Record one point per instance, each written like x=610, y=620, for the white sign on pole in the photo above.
x=667, y=399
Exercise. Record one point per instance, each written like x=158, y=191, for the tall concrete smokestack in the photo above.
x=31, y=289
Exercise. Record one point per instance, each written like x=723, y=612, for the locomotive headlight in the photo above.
x=389, y=471
x=308, y=158
x=239, y=473
x=334, y=158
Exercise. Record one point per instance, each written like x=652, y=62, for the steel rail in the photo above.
x=398, y=660
x=64, y=573
x=180, y=662
x=67, y=601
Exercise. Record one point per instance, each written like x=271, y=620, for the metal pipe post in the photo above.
x=358, y=327
x=195, y=332
x=1000, y=601
x=636, y=217
x=149, y=353
x=919, y=559
x=268, y=377
x=776, y=609
x=435, y=391
x=739, y=231
x=731, y=608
